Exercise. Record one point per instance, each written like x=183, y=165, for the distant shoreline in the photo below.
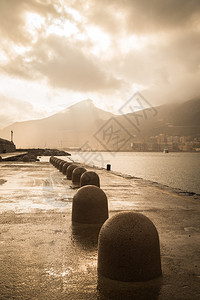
x=124, y=151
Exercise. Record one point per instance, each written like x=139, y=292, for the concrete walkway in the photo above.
x=43, y=257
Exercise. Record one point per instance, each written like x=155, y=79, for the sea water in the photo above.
x=177, y=170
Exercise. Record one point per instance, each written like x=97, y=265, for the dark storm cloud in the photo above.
x=170, y=62
x=64, y=65
x=169, y=67
x=182, y=51
x=141, y=16
x=67, y=67
x=162, y=15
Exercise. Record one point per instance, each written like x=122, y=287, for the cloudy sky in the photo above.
x=58, y=52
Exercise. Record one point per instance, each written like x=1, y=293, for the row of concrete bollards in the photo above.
x=128, y=242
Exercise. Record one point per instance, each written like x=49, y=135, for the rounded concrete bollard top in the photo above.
x=25, y=158
x=65, y=166
x=89, y=206
x=57, y=162
x=70, y=169
x=33, y=157
x=128, y=248
x=90, y=178
x=76, y=175
x=61, y=165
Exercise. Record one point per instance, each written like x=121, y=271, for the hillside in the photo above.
x=84, y=123
x=173, y=119
x=70, y=127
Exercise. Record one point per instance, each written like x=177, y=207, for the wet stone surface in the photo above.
x=42, y=256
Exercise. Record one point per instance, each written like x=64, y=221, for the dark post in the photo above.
x=108, y=167
x=11, y=135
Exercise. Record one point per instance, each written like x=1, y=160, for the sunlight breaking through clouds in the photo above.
x=100, y=50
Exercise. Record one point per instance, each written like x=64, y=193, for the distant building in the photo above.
x=186, y=147
x=6, y=146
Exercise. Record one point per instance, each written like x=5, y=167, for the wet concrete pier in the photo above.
x=42, y=256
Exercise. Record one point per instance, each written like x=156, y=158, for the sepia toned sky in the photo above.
x=58, y=52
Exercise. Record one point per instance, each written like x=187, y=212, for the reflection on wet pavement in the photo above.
x=44, y=256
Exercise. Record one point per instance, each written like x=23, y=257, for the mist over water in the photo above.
x=177, y=170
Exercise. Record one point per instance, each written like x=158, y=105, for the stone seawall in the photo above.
x=7, y=146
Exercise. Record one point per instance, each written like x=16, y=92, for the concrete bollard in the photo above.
x=85, y=236
x=57, y=162
x=70, y=169
x=54, y=161
x=76, y=175
x=61, y=165
x=89, y=206
x=90, y=178
x=65, y=166
x=128, y=249
x=26, y=158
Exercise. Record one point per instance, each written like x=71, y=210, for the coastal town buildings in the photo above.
x=163, y=141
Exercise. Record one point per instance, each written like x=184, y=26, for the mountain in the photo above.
x=70, y=127
x=172, y=119
x=85, y=124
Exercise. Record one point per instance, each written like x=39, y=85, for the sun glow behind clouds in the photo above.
x=60, y=28
x=157, y=55
x=21, y=49
x=133, y=42
x=34, y=22
x=3, y=57
x=100, y=39
x=75, y=14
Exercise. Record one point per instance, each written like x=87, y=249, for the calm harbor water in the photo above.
x=177, y=170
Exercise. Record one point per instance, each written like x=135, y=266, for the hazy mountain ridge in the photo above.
x=76, y=125
x=70, y=127
x=171, y=119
